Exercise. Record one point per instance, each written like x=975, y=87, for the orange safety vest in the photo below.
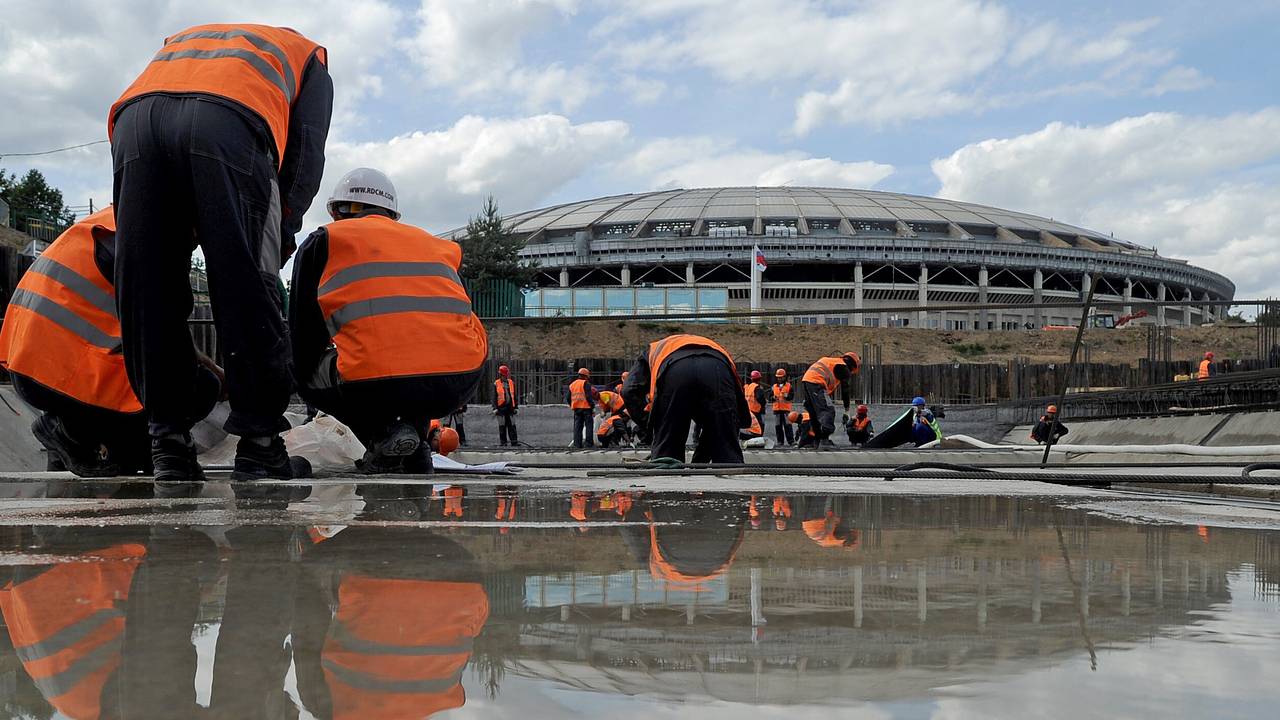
x=660, y=350
x=755, y=428
x=749, y=390
x=822, y=531
x=578, y=505
x=453, y=501
x=661, y=569
x=1203, y=374
x=616, y=404
x=394, y=304
x=607, y=426
x=823, y=372
x=578, y=395
x=780, y=401
x=860, y=424
x=398, y=647
x=257, y=66
x=67, y=626
x=61, y=328
x=505, y=391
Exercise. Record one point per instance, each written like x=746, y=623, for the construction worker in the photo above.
x=689, y=378
x=826, y=527
x=218, y=143
x=582, y=398
x=618, y=388
x=924, y=426
x=1207, y=369
x=384, y=338
x=614, y=428
x=1049, y=429
x=442, y=440
x=783, y=395
x=61, y=346
x=821, y=380
x=752, y=432
x=610, y=402
x=805, y=435
x=859, y=427
x=682, y=550
x=505, y=405
x=757, y=396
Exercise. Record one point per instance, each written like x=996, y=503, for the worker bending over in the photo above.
x=582, y=398
x=384, y=338
x=1207, y=369
x=689, y=378
x=859, y=427
x=757, y=396
x=61, y=345
x=783, y=395
x=924, y=426
x=805, y=436
x=505, y=405
x=1049, y=429
x=821, y=381
x=218, y=143
x=614, y=429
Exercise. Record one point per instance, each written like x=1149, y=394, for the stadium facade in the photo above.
x=681, y=251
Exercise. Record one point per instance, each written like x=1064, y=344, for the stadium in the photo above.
x=690, y=251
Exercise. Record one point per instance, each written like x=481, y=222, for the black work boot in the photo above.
x=419, y=463
x=80, y=458
x=177, y=472
x=256, y=461
x=388, y=453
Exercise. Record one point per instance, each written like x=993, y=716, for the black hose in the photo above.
x=1247, y=472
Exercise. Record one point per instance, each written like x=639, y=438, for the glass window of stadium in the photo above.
x=588, y=301
x=650, y=301
x=620, y=301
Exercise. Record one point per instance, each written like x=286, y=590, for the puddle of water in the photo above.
x=550, y=604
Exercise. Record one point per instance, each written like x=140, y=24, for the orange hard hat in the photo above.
x=852, y=360
x=584, y=372
x=448, y=440
x=1051, y=410
x=780, y=372
x=755, y=374
x=504, y=370
x=1208, y=355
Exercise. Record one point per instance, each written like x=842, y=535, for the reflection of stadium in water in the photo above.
x=935, y=590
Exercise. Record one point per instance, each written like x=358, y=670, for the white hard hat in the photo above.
x=368, y=187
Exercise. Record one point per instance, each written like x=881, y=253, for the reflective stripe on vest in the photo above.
x=504, y=390
x=660, y=350
x=394, y=304
x=780, y=401
x=257, y=66
x=578, y=395
x=61, y=328
x=753, y=404
x=822, y=372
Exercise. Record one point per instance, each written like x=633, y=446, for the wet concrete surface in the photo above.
x=532, y=599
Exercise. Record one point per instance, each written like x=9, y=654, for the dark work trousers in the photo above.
x=124, y=434
x=783, y=428
x=191, y=171
x=700, y=389
x=822, y=412
x=582, y=435
x=507, y=427
x=370, y=407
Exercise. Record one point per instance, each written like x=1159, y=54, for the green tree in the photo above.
x=491, y=252
x=32, y=199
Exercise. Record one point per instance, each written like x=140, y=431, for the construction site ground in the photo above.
x=780, y=343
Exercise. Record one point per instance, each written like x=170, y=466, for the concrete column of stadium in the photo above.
x=922, y=296
x=1128, y=296
x=857, y=293
x=984, y=285
x=625, y=276
x=688, y=274
x=1186, y=309
x=564, y=277
x=1206, y=312
x=1162, y=293
x=1037, y=295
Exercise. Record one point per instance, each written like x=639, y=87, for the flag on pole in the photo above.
x=761, y=265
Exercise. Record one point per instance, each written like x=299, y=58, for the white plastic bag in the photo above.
x=326, y=443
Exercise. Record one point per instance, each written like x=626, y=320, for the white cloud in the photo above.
x=705, y=162
x=443, y=177
x=1202, y=188
x=476, y=47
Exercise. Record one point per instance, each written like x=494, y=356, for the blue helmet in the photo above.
x=917, y=401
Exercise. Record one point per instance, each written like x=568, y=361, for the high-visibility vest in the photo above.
x=67, y=626
x=822, y=531
x=755, y=428
x=453, y=497
x=606, y=427
x=394, y=304
x=661, y=568
x=398, y=647
x=1205, y=368
x=753, y=403
x=257, y=66
x=861, y=424
x=505, y=392
x=659, y=352
x=61, y=328
x=579, y=397
x=780, y=401
x=823, y=372
x=615, y=404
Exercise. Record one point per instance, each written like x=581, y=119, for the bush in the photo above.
x=969, y=350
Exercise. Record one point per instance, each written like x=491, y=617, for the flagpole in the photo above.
x=755, y=283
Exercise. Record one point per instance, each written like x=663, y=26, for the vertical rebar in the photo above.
x=1066, y=377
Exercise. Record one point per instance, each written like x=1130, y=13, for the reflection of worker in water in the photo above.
x=924, y=426
x=691, y=539
x=689, y=379
x=1049, y=425
x=825, y=525
x=384, y=623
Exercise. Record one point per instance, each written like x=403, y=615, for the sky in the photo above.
x=1156, y=121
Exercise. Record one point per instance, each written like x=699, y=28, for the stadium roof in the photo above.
x=714, y=206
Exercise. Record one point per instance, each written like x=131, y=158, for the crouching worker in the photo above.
x=441, y=439
x=689, y=378
x=805, y=436
x=924, y=426
x=383, y=334
x=1050, y=429
x=859, y=427
x=61, y=345
x=614, y=430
